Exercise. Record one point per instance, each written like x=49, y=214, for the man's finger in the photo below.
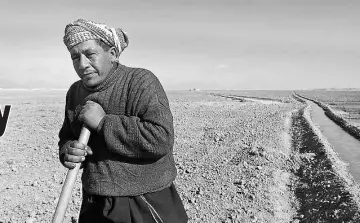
x=77, y=145
x=76, y=152
x=69, y=165
x=90, y=102
x=74, y=159
x=81, y=118
x=89, y=151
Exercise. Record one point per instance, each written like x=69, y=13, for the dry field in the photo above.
x=237, y=161
x=275, y=95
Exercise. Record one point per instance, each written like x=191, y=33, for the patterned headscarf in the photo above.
x=82, y=30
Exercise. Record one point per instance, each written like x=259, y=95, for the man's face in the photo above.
x=91, y=62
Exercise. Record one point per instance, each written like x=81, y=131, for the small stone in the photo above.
x=73, y=219
x=32, y=214
x=254, y=151
x=246, y=165
x=10, y=162
x=186, y=206
x=30, y=220
x=45, y=202
x=199, y=191
x=253, y=218
x=262, y=153
x=251, y=197
x=192, y=200
x=27, y=183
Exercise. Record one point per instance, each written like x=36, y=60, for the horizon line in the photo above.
x=191, y=89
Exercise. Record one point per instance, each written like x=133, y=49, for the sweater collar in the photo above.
x=109, y=80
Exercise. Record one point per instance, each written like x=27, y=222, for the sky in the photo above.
x=187, y=44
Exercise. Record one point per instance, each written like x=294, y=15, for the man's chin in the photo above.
x=89, y=83
x=92, y=80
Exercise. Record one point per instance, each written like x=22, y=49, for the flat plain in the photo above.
x=237, y=155
x=344, y=103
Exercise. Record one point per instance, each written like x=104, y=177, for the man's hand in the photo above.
x=91, y=114
x=75, y=153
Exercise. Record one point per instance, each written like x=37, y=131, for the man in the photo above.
x=128, y=164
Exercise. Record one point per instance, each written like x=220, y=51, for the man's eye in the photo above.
x=74, y=58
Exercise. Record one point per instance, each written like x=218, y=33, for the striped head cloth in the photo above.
x=82, y=30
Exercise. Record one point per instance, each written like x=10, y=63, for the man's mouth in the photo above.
x=88, y=74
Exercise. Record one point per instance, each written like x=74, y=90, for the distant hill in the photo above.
x=336, y=89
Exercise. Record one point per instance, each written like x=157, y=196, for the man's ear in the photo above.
x=112, y=52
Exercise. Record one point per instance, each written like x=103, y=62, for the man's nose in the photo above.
x=84, y=62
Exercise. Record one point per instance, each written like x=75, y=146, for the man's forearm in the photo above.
x=129, y=136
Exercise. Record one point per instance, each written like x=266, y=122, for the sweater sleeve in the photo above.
x=65, y=133
x=149, y=133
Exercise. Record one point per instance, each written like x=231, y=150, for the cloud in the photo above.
x=222, y=66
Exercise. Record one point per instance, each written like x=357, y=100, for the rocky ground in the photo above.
x=232, y=159
x=236, y=161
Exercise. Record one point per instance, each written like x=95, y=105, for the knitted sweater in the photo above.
x=132, y=147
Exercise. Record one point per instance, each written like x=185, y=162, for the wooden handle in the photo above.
x=65, y=195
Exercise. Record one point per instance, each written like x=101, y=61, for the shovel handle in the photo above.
x=69, y=183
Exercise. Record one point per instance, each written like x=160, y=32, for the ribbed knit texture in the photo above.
x=134, y=141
